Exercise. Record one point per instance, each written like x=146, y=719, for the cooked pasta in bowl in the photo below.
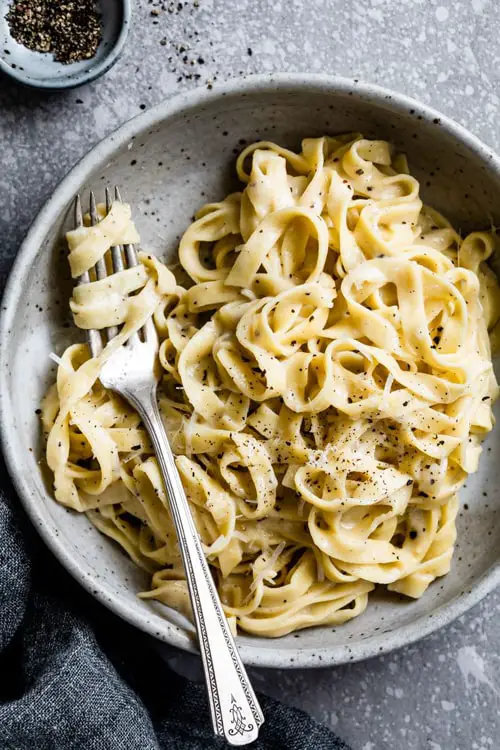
x=326, y=334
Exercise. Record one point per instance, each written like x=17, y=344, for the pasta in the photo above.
x=326, y=385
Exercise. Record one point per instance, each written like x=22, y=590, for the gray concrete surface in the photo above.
x=444, y=692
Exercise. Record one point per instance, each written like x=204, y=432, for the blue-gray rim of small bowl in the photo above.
x=378, y=643
x=73, y=82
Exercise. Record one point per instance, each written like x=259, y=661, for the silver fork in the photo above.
x=131, y=371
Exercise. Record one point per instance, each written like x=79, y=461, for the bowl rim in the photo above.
x=252, y=655
x=78, y=79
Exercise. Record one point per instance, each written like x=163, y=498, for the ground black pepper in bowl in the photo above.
x=70, y=30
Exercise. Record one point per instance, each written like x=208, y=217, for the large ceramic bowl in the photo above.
x=168, y=161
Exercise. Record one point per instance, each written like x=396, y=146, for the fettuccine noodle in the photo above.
x=326, y=384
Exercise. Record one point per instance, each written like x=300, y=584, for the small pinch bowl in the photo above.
x=170, y=160
x=42, y=71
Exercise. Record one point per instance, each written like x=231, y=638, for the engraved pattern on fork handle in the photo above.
x=235, y=711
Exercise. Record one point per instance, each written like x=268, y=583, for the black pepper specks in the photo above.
x=69, y=30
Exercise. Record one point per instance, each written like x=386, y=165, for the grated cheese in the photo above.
x=267, y=571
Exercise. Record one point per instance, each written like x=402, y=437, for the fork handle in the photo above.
x=236, y=714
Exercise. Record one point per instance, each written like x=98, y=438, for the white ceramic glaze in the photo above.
x=43, y=72
x=167, y=162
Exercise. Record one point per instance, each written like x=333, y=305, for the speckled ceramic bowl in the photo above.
x=168, y=161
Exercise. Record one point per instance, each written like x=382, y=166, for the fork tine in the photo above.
x=101, y=270
x=93, y=208
x=116, y=251
x=78, y=211
x=129, y=249
x=100, y=267
x=131, y=259
x=93, y=337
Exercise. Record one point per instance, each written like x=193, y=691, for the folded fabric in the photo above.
x=73, y=676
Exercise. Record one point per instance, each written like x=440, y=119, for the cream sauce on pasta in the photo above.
x=326, y=384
